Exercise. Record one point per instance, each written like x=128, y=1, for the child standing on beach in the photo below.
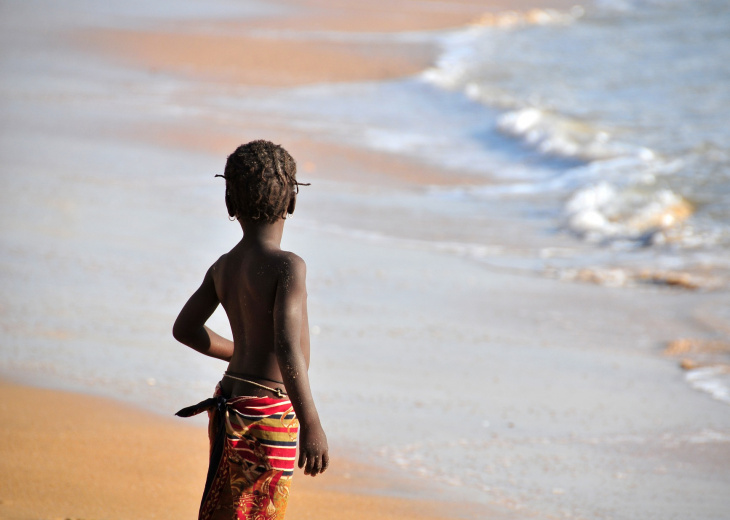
x=263, y=401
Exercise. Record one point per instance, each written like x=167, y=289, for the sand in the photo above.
x=596, y=421
x=256, y=53
x=258, y=61
x=67, y=455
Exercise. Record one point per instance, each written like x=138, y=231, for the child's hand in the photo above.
x=313, y=456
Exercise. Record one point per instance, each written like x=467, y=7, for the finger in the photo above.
x=317, y=466
x=301, y=459
x=325, y=461
x=308, y=466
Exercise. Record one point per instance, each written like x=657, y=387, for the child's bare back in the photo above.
x=264, y=400
x=258, y=285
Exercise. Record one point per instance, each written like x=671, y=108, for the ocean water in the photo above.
x=606, y=123
x=636, y=93
x=106, y=229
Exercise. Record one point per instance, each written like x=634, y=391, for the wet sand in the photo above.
x=334, y=41
x=70, y=455
x=569, y=394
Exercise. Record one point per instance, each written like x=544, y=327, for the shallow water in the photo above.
x=609, y=120
x=637, y=92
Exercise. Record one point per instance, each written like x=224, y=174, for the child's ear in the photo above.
x=292, y=204
x=229, y=204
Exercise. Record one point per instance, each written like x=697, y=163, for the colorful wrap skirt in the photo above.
x=253, y=445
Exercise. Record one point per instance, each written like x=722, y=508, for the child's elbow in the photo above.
x=179, y=332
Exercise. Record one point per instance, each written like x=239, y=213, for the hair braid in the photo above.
x=260, y=181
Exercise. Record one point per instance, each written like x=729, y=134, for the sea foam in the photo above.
x=715, y=380
x=644, y=170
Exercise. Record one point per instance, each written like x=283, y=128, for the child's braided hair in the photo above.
x=260, y=181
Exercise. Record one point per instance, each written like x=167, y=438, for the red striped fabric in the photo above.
x=254, y=475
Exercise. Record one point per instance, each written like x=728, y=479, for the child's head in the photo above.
x=261, y=182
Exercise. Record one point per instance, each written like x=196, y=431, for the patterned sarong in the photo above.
x=253, y=444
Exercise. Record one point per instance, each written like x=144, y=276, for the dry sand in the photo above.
x=74, y=456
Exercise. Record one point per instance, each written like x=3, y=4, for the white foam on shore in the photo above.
x=632, y=186
x=510, y=19
x=602, y=211
x=553, y=134
x=452, y=65
x=615, y=195
x=714, y=380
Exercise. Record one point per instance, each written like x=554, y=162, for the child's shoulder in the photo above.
x=287, y=268
x=218, y=264
x=289, y=263
x=279, y=263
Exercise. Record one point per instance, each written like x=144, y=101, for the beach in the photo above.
x=97, y=458
x=495, y=332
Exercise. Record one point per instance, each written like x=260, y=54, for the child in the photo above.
x=264, y=399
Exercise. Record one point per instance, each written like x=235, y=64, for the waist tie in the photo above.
x=218, y=405
x=281, y=394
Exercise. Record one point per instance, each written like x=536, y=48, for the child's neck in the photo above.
x=266, y=234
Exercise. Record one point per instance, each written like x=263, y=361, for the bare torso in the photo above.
x=246, y=281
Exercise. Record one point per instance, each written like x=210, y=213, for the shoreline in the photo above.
x=509, y=322
x=333, y=42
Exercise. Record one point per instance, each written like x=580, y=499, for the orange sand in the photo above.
x=251, y=52
x=73, y=456
x=258, y=61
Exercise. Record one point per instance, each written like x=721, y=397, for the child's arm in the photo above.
x=190, y=328
x=291, y=295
